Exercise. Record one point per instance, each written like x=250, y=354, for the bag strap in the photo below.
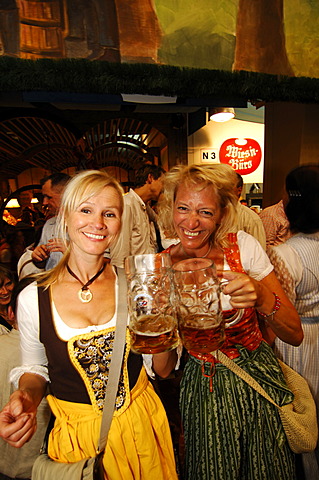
x=116, y=361
x=228, y=362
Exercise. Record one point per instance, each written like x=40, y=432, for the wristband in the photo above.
x=276, y=308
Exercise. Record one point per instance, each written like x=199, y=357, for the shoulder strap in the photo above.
x=116, y=361
x=232, y=253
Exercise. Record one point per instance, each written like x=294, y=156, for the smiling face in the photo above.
x=96, y=222
x=196, y=215
x=6, y=292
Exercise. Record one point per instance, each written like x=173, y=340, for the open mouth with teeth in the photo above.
x=191, y=234
x=5, y=297
x=94, y=236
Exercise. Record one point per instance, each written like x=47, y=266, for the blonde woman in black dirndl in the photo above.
x=67, y=324
x=231, y=432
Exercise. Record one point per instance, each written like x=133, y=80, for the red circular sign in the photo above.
x=242, y=154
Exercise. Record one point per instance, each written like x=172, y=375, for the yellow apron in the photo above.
x=139, y=443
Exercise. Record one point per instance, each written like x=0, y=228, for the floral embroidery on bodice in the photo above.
x=91, y=354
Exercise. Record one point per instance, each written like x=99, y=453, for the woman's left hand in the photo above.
x=241, y=288
x=246, y=292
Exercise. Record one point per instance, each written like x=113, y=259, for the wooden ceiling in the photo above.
x=60, y=130
x=75, y=138
x=29, y=141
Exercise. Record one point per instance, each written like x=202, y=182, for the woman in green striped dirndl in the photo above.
x=231, y=432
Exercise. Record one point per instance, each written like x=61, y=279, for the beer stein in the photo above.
x=151, y=303
x=200, y=321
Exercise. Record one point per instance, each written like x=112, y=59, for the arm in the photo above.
x=47, y=244
x=40, y=255
x=164, y=363
x=248, y=292
x=18, y=421
x=283, y=273
x=18, y=417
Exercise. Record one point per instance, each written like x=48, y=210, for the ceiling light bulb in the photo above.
x=221, y=114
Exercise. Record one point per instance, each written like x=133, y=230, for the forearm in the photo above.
x=284, y=322
x=34, y=385
x=164, y=363
x=18, y=420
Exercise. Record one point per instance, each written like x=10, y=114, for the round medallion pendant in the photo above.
x=85, y=295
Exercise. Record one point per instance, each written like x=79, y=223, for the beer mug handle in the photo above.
x=237, y=316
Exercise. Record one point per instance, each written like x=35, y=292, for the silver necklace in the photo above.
x=203, y=256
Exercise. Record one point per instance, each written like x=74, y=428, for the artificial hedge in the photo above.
x=99, y=77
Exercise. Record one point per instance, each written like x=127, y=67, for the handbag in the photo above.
x=299, y=418
x=91, y=468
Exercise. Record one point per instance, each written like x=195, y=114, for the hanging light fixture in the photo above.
x=221, y=114
x=12, y=203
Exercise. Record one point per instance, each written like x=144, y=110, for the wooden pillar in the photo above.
x=291, y=139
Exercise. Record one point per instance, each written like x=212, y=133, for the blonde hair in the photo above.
x=79, y=189
x=219, y=176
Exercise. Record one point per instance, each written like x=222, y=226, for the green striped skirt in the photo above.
x=232, y=432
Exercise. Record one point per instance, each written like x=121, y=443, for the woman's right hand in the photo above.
x=18, y=421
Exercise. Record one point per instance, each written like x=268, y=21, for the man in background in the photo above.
x=138, y=234
x=249, y=221
x=275, y=223
x=49, y=250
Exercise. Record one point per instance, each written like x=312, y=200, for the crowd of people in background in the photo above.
x=227, y=430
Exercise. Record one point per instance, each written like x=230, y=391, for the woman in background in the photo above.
x=7, y=283
x=297, y=268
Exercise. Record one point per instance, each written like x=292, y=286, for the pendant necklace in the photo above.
x=203, y=256
x=85, y=294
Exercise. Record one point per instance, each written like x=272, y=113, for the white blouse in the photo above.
x=34, y=359
x=254, y=260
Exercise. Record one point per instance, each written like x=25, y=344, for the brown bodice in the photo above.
x=78, y=368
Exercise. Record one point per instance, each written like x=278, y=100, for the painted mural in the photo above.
x=269, y=36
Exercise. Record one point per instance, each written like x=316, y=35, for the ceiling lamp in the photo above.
x=12, y=203
x=221, y=114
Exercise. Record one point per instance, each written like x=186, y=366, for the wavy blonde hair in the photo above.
x=221, y=177
x=80, y=188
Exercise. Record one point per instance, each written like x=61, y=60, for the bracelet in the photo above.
x=276, y=308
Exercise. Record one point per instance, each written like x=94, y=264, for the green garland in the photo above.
x=99, y=77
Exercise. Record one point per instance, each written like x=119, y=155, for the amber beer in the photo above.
x=202, y=333
x=145, y=337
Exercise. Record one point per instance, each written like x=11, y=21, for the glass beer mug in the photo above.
x=151, y=305
x=200, y=321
